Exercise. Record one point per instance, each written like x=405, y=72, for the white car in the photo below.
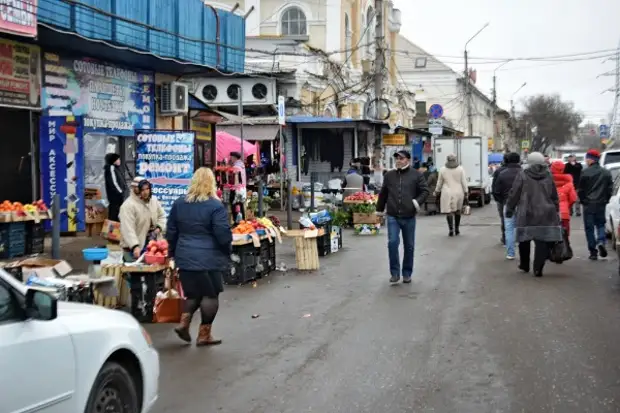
x=61, y=357
x=612, y=210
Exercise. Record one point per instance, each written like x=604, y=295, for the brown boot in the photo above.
x=183, y=329
x=205, y=338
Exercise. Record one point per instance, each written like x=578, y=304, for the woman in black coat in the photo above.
x=200, y=242
x=534, y=202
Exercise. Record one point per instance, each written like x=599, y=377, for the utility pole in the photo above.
x=379, y=68
x=470, y=125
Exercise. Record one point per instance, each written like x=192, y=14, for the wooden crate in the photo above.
x=306, y=253
x=122, y=299
x=359, y=218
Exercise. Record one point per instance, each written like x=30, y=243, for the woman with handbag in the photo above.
x=535, y=199
x=452, y=190
x=200, y=241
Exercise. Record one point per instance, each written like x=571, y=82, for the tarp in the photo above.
x=496, y=158
x=227, y=143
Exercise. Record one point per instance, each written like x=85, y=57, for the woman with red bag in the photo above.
x=566, y=193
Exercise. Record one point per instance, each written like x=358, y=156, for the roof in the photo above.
x=317, y=119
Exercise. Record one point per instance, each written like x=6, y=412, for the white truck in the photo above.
x=473, y=154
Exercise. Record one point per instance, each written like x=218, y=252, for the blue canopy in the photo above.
x=496, y=158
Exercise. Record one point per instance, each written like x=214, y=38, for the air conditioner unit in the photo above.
x=225, y=91
x=174, y=99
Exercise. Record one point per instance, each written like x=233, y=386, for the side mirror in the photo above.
x=41, y=305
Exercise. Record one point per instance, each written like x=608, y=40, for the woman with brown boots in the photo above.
x=452, y=185
x=200, y=242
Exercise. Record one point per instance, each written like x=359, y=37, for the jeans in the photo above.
x=500, y=211
x=594, y=224
x=395, y=226
x=509, y=233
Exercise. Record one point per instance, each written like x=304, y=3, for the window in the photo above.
x=8, y=305
x=294, y=22
x=420, y=62
x=347, y=37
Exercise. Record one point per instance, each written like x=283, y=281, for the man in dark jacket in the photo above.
x=404, y=190
x=501, y=188
x=115, y=185
x=574, y=169
x=500, y=206
x=595, y=189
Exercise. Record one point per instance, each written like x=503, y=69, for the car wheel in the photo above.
x=113, y=391
x=487, y=199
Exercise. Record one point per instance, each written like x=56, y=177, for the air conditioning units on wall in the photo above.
x=225, y=91
x=174, y=99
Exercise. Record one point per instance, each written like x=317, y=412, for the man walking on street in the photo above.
x=403, y=192
x=500, y=205
x=501, y=188
x=574, y=169
x=595, y=189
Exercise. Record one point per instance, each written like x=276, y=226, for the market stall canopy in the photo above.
x=227, y=143
x=252, y=132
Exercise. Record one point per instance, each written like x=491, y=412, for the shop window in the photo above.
x=96, y=146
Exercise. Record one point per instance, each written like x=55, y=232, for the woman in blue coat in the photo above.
x=200, y=240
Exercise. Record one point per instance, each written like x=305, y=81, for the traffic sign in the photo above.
x=525, y=144
x=603, y=131
x=281, y=111
x=435, y=126
x=436, y=111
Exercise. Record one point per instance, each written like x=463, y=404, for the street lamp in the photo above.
x=512, y=108
x=470, y=126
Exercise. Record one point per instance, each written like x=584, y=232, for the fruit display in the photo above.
x=20, y=210
x=8, y=206
x=361, y=197
x=157, y=248
x=248, y=227
x=274, y=220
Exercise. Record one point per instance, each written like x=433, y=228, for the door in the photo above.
x=470, y=157
x=37, y=367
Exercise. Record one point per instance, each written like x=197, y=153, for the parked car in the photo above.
x=61, y=357
x=612, y=210
x=609, y=157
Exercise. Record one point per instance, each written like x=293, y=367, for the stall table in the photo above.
x=306, y=248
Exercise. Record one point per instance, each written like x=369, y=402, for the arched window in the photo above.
x=370, y=29
x=347, y=37
x=294, y=22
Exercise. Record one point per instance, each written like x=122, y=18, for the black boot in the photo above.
x=457, y=224
x=450, y=220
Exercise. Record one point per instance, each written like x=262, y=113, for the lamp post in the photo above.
x=470, y=126
x=512, y=107
x=495, y=128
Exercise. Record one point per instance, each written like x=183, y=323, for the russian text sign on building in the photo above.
x=19, y=17
x=396, y=139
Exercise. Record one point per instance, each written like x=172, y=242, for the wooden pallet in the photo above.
x=122, y=299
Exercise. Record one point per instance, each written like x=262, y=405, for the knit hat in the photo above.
x=536, y=158
x=593, y=155
x=136, y=181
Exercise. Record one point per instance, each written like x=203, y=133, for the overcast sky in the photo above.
x=524, y=28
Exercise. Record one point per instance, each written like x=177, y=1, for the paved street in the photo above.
x=470, y=334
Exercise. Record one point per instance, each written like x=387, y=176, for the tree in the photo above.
x=552, y=120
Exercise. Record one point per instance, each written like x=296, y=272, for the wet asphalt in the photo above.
x=470, y=334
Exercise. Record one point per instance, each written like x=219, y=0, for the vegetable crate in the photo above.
x=243, y=266
x=366, y=229
x=12, y=240
x=267, y=256
x=35, y=238
x=364, y=218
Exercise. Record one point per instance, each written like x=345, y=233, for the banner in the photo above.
x=19, y=17
x=20, y=75
x=62, y=168
x=166, y=159
x=112, y=99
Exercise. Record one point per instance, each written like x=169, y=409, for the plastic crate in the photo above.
x=243, y=267
x=12, y=240
x=267, y=256
x=35, y=246
x=35, y=238
x=324, y=244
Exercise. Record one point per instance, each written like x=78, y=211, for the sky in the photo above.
x=524, y=28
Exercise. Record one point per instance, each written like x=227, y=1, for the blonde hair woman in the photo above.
x=200, y=242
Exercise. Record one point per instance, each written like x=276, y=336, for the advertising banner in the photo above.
x=113, y=100
x=19, y=17
x=62, y=168
x=20, y=75
x=166, y=159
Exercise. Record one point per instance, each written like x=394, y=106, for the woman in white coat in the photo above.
x=452, y=185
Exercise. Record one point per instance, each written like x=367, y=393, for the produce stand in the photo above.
x=22, y=230
x=306, y=247
x=253, y=251
x=363, y=210
x=138, y=277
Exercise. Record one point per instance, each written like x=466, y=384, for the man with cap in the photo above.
x=595, y=190
x=403, y=191
x=574, y=169
x=115, y=186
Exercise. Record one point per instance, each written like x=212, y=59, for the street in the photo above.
x=470, y=334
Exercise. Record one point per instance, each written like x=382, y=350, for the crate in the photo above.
x=324, y=244
x=35, y=238
x=267, y=256
x=243, y=267
x=359, y=218
x=12, y=240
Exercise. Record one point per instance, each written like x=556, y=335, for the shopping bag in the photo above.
x=561, y=251
x=111, y=230
x=169, y=304
x=466, y=208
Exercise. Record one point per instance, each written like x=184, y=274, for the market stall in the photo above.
x=362, y=209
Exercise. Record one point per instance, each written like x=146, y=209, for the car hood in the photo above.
x=78, y=316
x=66, y=309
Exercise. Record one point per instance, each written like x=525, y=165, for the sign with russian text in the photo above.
x=112, y=99
x=166, y=159
x=19, y=17
x=20, y=75
x=395, y=139
x=62, y=168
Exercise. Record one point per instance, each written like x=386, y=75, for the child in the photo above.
x=566, y=193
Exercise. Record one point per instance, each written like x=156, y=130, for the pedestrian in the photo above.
x=501, y=189
x=566, y=193
x=431, y=175
x=403, y=191
x=354, y=181
x=115, y=185
x=239, y=191
x=534, y=202
x=500, y=205
x=595, y=190
x=200, y=240
x=452, y=191
x=574, y=168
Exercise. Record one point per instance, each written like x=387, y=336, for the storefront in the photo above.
x=90, y=108
x=20, y=103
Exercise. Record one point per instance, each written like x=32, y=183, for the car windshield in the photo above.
x=612, y=157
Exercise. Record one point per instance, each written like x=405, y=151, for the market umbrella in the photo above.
x=227, y=143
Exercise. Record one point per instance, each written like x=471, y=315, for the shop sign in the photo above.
x=395, y=139
x=62, y=168
x=204, y=130
x=20, y=75
x=166, y=159
x=112, y=99
x=490, y=143
x=19, y=17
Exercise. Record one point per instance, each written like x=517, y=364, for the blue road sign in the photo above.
x=436, y=111
x=603, y=131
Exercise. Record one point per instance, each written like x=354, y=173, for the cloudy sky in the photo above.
x=524, y=28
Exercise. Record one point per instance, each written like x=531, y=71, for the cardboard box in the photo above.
x=111, y=230
x=44, y=267
x=359, y=218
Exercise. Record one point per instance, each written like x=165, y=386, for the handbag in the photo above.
x=561, y=251
x=169, y=305
x=466, y=210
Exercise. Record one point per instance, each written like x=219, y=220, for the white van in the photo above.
x=580, y=157
x=612, y=156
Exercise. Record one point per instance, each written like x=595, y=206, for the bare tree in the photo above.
x=553, y=120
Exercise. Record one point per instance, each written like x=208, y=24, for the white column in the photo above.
x=333, y=26
x=252, y=23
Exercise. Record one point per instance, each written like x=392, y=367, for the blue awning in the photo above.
x=195, y=104
x=496, y=158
